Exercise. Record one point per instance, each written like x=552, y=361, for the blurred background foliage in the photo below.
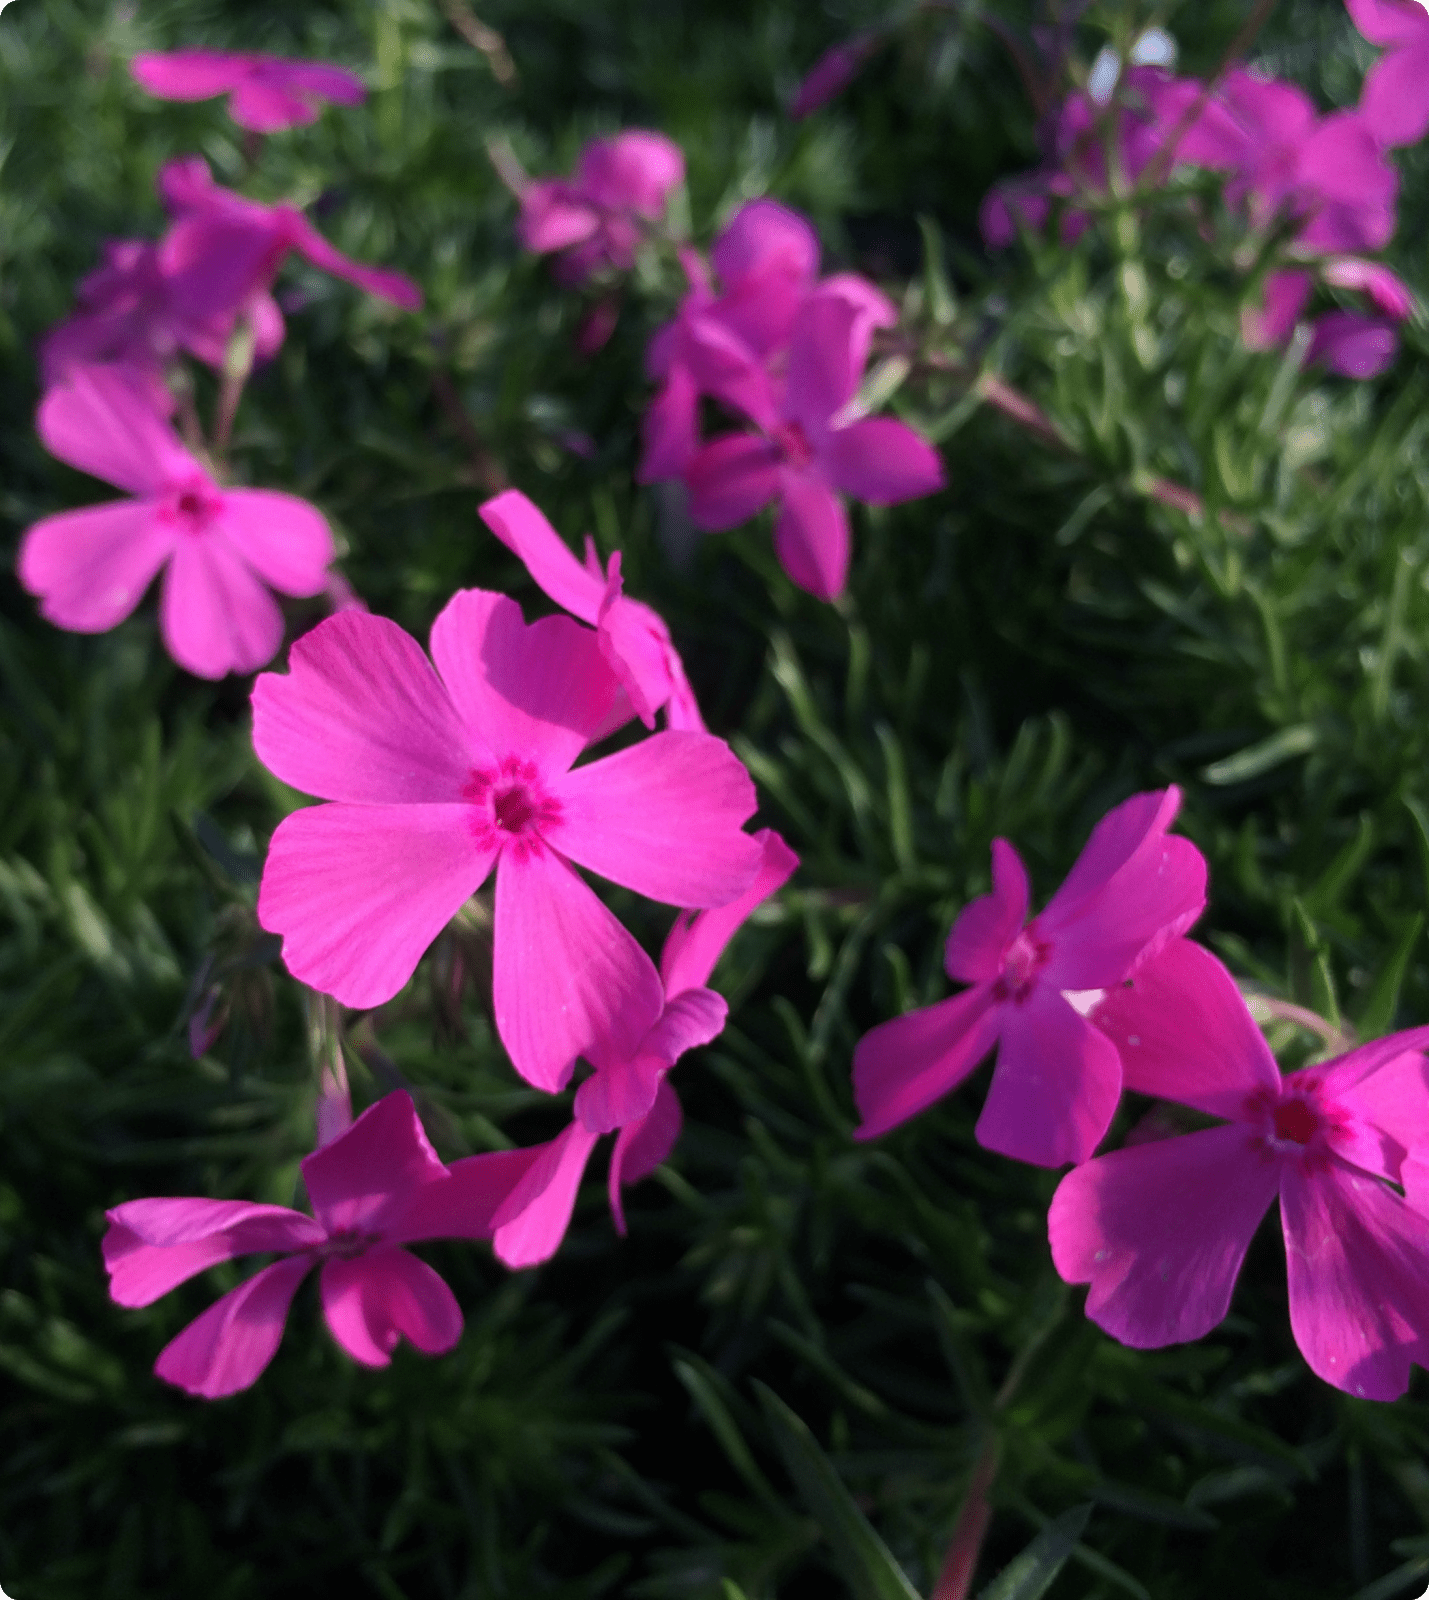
x=1013, y=656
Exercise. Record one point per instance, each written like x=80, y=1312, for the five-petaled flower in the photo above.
x=265, y=93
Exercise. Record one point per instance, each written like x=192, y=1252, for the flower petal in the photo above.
x=359, y=892
x=1395, y=99
x=102, y=420
x=227, y=1348
x=619, y=1092
x=395, y=287
x=190, y=74
x=355, y=1181
x=696, y=943
x=532, y=1223
x=521, y=527
x=567, y=977
x=882, y=461
x=641, y=1146
x=903, y=1066
x=285, y=540
x=1159, y=1231
x=825, y=363
x=372, y=1300
x=663, y=817
x=730, y=479
x=214, y=614
x=987, y=925
x=361, y=716
x=811, y=537
x=463, y=1203
x=90, y=568
x=1184, y=1033
x=265, y=108
x=537, y=692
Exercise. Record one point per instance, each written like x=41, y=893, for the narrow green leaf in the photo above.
x=867, y=1563
x=1032, y=1573
x=1328, y=890
x=942, y=303
x=1264, y=756
x=702, y=1384
x=1377, y=1015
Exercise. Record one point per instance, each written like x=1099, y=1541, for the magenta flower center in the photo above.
x=1298, y=1120
x=193, y=506
x=511, y=807
x=347, y=1245
x=1023, y=959
x=793, y=445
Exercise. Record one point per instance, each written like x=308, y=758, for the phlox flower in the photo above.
x=727, y=345
x=633, y=639
x=265, y=93
x=374, y=1189
x=223, y=250
x=1351, y=343
x=1395, y=99
x=439, y=776
x=597, y=219
x=629, y=1093
x=810, y=449
x=1159, y=1230
x=220, y=550
x=1058, y=1078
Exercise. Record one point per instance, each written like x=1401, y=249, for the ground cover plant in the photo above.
x=713, y=798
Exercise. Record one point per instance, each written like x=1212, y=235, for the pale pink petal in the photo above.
x=619, y=1092
x=824, y=361
x=359, y=1178
x=395, y=287
x=190, y=74
x=566, y=974
x=285, y=540
x=696, y=942
x=266, y=108
x=463, y=1204
x=522, y=528
x=214, y=614
x=664, y=817
x=883, y=462
x=90, y=568
x=153, y=1245
x=811, y=537
x=372, y=1300
x=359, y=892
x=641, y=1146
x=1159, y=1231
x=362, y=716
x=1395, y=99
x=987, y=925
x=1358, y=1260
x=730, y=479
x=1184, y=1033
x=1385, y=22
x=1055, y=1086
x=538, y=692
x=227, y=1348
x=102, y=420
x=901, y=1067
x=532, y=1223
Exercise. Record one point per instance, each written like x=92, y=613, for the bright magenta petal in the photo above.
x=1395, y=100
x=318, y=78
x=152, y=1245
x=1184, y=1033
x=227, y=1348
x=664, y=817
x=619, y=1093
x=811, y=537
x=824, y=364
x=395, y=287
x=641, y=1146
x=1159, y=1231
x=102, y=420
x=463, y=1204
x=987, y=925
x=190, y=74
x=669, y=430
x=534, y=1220
x=371, y=1301
x=362, y=716
x=696, y=943
x=1359, y=1279
x=357, y=1180
x=538, y=692
x=882, y=461
x=901, y=1067
x=90, y=568
x=1388, y=22
x=285, y=540
x=359, y=892
x=265, y=108
x=567, y=978
x=730, y=479
x=215, y=615
x=521, y=527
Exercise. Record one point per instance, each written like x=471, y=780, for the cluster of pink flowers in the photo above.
x=110, y=372
x=1101, y=992
x=1325, y=181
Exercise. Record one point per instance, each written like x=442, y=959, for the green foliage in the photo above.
x=1013, y=656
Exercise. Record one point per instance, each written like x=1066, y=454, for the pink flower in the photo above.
x=629, y=1094
x=1159, y=1230
x=223, y=251
x=265, y=93
x=1347, y=342
x=634, y=641
x=727, y=346
x=1395, y=101
x=1058, y=1079
x=221, y=550
x=809, y=449
x=375, y=1188
x=439, y=776
x=597, y=219
x=832, y=73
